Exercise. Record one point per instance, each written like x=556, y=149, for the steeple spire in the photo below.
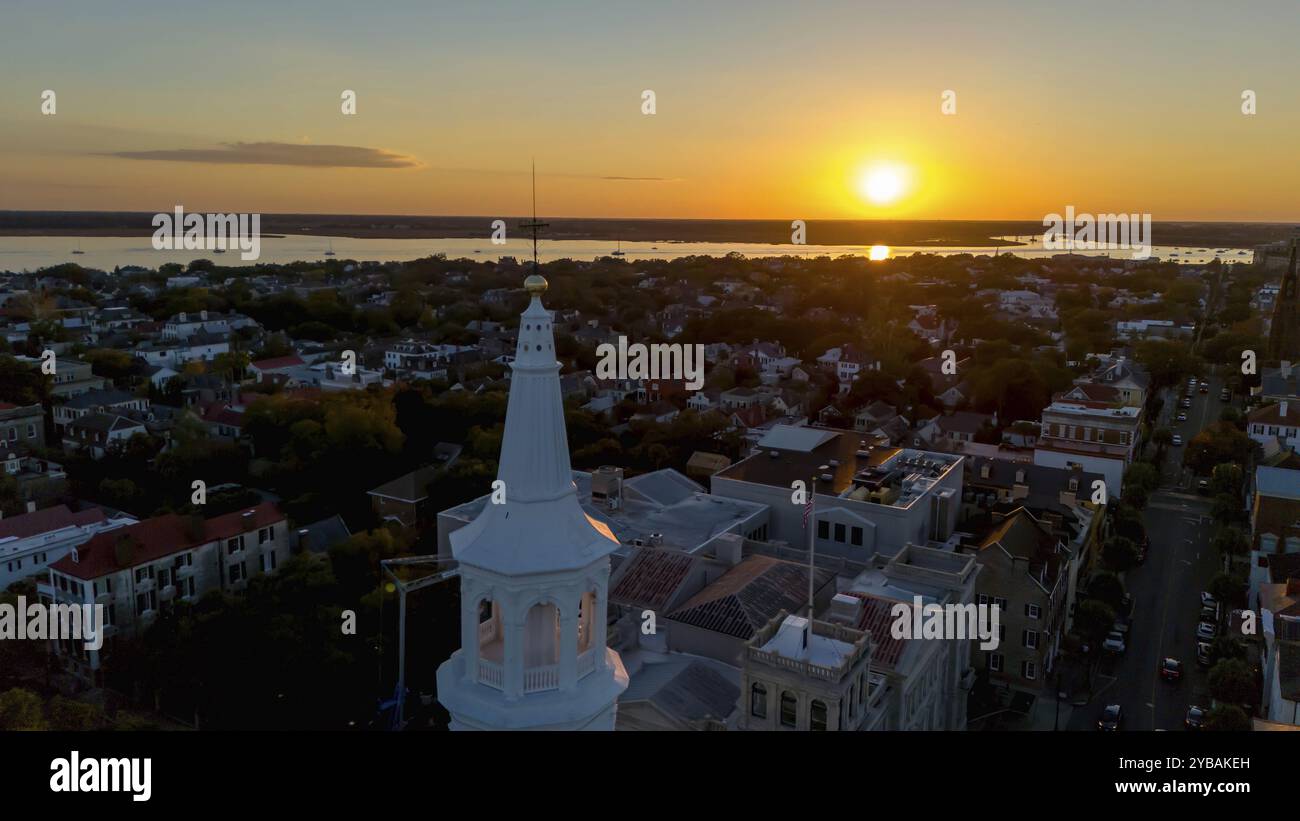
x=541, y=527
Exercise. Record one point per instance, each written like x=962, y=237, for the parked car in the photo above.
x=1171, y=669
x=1186, y=403
x=1205, y=631
x=1112, y=718
x=1207, y=599
x=1203, y=487
x=1195, y=717
x=1121, y=626
x=1203, y=654
x=1225, y=395
x=1182, y=417
x=1178, y=440
x=1114, y=643
x=1210, y=613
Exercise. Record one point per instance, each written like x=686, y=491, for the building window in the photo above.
x=995, y=662
x=142, y=573
x=1032, y=611
x=1029, y=638
x=983, y=599
x=855, y=537
x=823, y=529
x=839, y=532
x=268, y=561
x=234, y=544
x=818, y=715
x=789, y=709
x=1029, y=670
x=1002, y=605
x=758, y=701
x=237, y=572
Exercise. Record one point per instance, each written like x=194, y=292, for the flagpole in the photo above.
x=812, y=557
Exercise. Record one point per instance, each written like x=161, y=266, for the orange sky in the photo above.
x=763, y=110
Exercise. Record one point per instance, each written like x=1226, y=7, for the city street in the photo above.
x=1165, y=590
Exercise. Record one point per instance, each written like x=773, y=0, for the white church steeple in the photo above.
x=534, y=572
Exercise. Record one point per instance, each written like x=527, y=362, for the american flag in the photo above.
x=807, y=511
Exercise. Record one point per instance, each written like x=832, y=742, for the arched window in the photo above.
x=789, y=709
x=586, y=620
x=758, y=700
x=542, y=635
x=818, y=717
x=491, y=638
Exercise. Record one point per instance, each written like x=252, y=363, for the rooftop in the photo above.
x=1280, y=483
x=663, y=507
x=158, y=537
x=854, y=467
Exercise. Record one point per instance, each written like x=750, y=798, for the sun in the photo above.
x=882, y=184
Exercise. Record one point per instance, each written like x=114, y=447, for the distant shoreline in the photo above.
x=851, y=233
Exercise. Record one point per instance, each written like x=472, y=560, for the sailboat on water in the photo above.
x=330, y=252
x=619, y=252
x=78, y=250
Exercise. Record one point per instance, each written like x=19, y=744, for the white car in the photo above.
x=1114, y=643
x=1208, y=600
x=1206, y=631
x=1178, y=440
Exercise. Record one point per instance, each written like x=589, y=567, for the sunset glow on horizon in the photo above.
x=148, y=118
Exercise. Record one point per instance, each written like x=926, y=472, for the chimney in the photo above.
x=31, y=507
x=304, y=540
x=203, y=316
x=1281, y=409
x=845, y=609
x=729, y=548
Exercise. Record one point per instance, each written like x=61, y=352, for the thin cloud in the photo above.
x=271, y=153
x=641, y=179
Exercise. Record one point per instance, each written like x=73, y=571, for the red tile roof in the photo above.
x=745, y=598
x=651, y=577
x=158, y=537
x=877, y=619
x=44, y=521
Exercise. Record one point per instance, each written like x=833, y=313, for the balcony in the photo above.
x=185, y=571
x=167, y=593
x=104, y=598
x=146, y=585
x=491, y=674
x=238, y=556
x=540, y=679
x=147, y=616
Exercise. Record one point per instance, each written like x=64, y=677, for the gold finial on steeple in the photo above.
x=536, y=284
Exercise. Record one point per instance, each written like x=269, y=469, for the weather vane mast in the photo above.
x=534, y=225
